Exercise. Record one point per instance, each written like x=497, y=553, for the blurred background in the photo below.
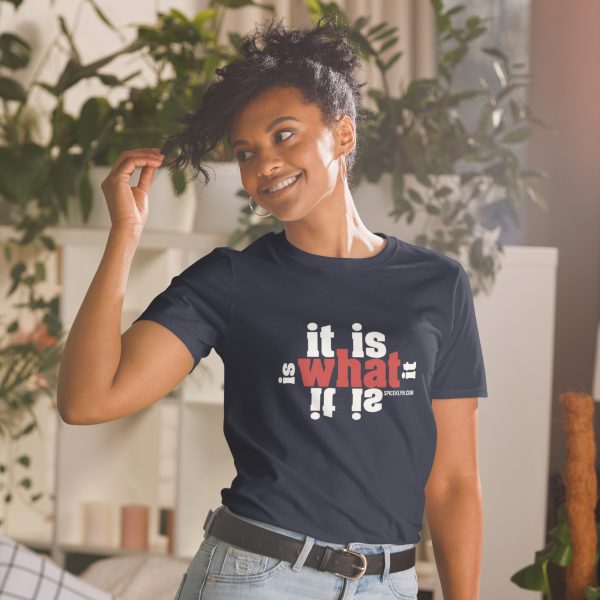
x=494, y=102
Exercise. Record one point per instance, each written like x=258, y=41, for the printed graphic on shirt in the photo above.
x=367, y=369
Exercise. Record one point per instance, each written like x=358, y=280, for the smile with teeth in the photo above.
x=282, y=184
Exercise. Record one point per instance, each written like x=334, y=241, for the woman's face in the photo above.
x=270, y=149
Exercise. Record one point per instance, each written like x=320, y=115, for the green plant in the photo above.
x=184, y=53
x=557, y=551
x=48, y=174
x=36, y=179
x=421, y=134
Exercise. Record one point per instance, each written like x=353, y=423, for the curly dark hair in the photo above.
x=318, y=61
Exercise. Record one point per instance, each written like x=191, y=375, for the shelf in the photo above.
x=202, y=401
x=106, y=550
x=43, y=545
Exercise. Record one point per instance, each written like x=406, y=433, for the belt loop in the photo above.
x=386, y=563
x=306, y=548
x=209, y=518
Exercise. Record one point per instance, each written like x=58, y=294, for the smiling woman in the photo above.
x=290, y=164
x=273, y=57
x=367, y=329
x=334, y=339
x=290, y=121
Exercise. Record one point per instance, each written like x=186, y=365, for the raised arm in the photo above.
x=104, y=375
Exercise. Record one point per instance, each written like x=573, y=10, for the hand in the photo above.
x=128, y=206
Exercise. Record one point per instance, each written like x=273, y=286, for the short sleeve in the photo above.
x=196, y=305
x=459, y=368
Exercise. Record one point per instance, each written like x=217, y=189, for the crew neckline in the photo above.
x=318, y=260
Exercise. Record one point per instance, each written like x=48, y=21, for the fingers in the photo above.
x=146, y=177
x=149, y=159
x=128, y=160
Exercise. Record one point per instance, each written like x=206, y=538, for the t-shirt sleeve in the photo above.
x=196, y=305
x=459, y=368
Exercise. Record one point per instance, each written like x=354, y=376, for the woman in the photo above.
x=335, y=341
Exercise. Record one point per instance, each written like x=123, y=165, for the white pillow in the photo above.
x=138, y=576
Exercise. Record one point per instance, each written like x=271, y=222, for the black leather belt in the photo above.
x=346, y=563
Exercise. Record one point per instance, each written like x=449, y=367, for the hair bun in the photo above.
x=325, y=44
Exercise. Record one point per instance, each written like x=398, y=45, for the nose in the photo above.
x=268, y=163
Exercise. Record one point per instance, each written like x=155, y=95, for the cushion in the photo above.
x=138, y=576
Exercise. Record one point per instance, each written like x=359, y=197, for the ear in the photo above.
x=345, y=136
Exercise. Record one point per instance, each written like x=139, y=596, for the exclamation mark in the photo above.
x=356, y=403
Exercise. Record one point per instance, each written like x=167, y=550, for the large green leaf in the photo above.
x=532, y=577
x=517, y=135
x=63, y=172
x=74, y=71
x=10, y=89
x=23, y=171
x=93, y=113
x=15, y=52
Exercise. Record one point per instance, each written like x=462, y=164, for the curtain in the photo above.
x=414, y=19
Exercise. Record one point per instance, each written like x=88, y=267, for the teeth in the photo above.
x=282, y=184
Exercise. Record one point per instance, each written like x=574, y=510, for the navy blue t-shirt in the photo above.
x=330, y=368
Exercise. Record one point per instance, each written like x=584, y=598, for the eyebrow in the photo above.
x=268, y=128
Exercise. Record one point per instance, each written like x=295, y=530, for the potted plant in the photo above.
x=37, y=179
x=188, y=49
x=182, y=53
x=137, y=121
x=457, y=183
x=40, y=179
x=558, y=551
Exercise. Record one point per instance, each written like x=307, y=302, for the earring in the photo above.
x=252, y=209
x=343, y=167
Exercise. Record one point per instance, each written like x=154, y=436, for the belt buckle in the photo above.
x=362, y=567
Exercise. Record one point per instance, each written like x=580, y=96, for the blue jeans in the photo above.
x=220, y=571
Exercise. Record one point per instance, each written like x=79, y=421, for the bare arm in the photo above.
x=104, y=375
x=453, y=499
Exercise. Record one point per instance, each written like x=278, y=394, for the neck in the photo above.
x=334, y=228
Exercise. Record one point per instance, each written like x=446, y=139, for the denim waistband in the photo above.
x=362, y=547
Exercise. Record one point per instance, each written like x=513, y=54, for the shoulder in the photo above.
x=445, y=267
x=213, y=269
x=217, y=267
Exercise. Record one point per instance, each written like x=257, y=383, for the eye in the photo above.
x=238, y=155
x=284, y=131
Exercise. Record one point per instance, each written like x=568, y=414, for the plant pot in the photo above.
x=218, y=205
x=167, y=212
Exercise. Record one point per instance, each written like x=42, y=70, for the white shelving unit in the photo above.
x=157, y=456
x=121, y=461
x=174, y=453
